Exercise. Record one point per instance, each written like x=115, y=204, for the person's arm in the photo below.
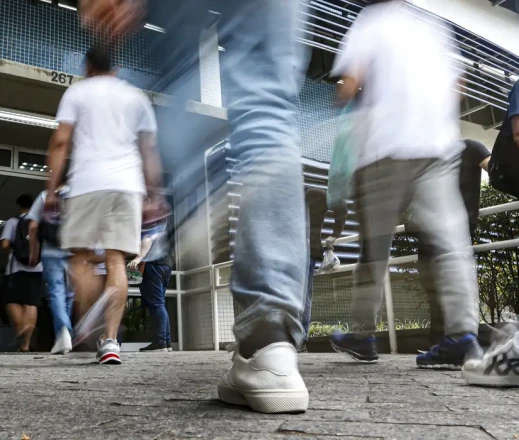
x=484, y=164
x=34, y=243
x=151, y=165
x=145, y=248
x=348, y=89
x=515, y=129
x=8, y=232
x=357, y=52
x=59, y=150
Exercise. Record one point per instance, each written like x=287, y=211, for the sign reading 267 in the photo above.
x=61, y=78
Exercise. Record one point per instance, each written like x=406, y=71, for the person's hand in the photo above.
x=134, y=264
x=51, y=201
x=115, y=17
x=329, y=242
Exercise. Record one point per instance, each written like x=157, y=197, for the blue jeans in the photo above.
x=307, y=313
x=59, y=289
x=260, y=69
x=155, y=281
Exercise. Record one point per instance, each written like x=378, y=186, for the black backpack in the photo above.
x=503, y=168
x=21, y=247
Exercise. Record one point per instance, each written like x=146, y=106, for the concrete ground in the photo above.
x=173, y=395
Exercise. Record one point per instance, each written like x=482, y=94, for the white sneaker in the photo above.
x=499, y=367
x=108, y=352
x=269, y=382
x=63, y=342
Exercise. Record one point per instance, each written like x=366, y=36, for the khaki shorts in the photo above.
x=105, y=220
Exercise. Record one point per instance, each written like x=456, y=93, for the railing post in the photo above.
x=214, y=299
x=388, y=294
x=180, y=329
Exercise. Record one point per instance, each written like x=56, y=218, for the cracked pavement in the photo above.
x=173, y=395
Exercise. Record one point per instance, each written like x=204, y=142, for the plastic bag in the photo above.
x=330, y=261
x=343, y=161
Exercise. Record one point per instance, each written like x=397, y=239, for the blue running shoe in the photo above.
x=361, y=350
x=450, y=354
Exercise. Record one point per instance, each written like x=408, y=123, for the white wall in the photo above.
x=496, y=24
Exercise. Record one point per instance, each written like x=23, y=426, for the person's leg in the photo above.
x=429, y=286
x=30, y=316
x=270, y=267
x=84, y=283
x=307, y=313
x=152, y=290
x=382, y=196
x=69, y=287
x=439, y=210
x=55, y=276
x=117, y=284
x=15, y=313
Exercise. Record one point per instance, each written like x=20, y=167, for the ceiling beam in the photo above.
x=496, y=125
x=497, y=2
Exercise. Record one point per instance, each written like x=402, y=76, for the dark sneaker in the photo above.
x=153, y=347
x=450, y=354
x=361, y=350
x=499, y=367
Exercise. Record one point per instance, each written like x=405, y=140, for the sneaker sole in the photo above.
x=355, y=356
x=268, y=401
x=158, y=350
x=109, y=359
x=450, y=367
x=490, y=381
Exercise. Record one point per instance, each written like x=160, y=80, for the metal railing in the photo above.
x=215, y=286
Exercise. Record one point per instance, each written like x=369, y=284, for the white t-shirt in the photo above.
x=13, y=265
x=408, y=103
x=108, y=114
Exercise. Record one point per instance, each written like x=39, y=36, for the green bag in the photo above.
x=342, y=165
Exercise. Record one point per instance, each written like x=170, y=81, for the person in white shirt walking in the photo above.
x=109, y=128
x=24, y=291
x=43, y=233
x=408, y=156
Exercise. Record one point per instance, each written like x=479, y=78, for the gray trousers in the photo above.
x=430, y=189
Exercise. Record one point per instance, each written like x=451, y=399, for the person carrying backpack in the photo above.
x=24, y=280
x=502, y=173
x=44, y=241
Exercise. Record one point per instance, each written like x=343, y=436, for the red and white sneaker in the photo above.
x=108, y=352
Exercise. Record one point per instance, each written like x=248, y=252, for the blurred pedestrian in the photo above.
x=155, y=262
x=317, y=209
x=499, y=366
x=474, y=158
x=24, y=280
x=44, y=240
x=408, y=157
x=260, y=69
x=108, y=127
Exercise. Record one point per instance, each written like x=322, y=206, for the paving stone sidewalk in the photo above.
x=173, y=395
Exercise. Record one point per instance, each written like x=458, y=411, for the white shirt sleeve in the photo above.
x=146, y=120
x=67, y=110
x=357, y=49
x=36, y=211
x=9, y=230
